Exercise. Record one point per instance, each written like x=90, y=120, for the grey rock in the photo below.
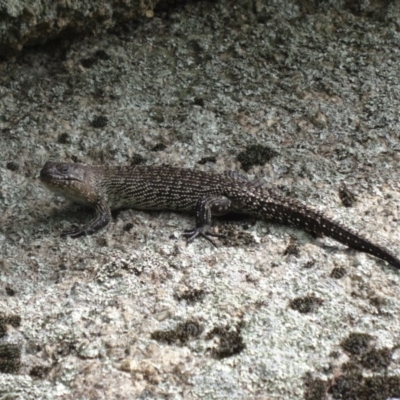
x=35, y=22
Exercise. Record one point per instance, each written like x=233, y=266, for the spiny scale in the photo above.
x=156, y=188
x=206, y=194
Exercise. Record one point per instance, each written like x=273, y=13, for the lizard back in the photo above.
x=158, y=187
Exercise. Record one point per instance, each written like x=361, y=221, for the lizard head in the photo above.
x=73, y=181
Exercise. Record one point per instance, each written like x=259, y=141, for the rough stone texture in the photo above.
x=319, y=86
x=25, y=22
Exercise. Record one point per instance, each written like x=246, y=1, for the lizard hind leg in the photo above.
x=205, y=208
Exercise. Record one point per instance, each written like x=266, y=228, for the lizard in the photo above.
x=142, y=187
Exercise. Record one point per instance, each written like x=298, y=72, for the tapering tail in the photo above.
x=289, y=212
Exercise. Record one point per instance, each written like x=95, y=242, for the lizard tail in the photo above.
x=289, y=212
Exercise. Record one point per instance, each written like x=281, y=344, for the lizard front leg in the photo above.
x=101, y=220
x=205, y=208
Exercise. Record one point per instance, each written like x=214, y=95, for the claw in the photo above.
x=204, y=232
x=74, y=233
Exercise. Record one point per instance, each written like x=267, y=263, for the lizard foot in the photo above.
x=204, y=232
x=76, y=232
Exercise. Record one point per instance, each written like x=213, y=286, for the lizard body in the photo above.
x=202, y=193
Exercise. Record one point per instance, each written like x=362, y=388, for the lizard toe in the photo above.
x=204, y=232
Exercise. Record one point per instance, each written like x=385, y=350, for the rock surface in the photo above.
x=305, y=96
x=36, y=22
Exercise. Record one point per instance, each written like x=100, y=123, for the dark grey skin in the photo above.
x=205, y=194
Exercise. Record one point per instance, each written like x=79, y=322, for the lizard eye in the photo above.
x=63, y=168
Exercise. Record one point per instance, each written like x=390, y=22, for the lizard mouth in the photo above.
x=48, y=177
